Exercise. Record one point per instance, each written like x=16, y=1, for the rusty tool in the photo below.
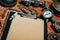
x=53, y=36
x=35, y=3
x=25, y=14
x=56, y=25
x=30, y=9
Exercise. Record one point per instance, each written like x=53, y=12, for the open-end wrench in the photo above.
x=25, y=14
x=33, y=12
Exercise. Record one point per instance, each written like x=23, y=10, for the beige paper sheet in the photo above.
x=26, y=29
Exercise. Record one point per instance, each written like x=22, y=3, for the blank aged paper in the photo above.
x=26, y=29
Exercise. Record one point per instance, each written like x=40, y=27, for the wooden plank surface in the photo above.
x=26, y=29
